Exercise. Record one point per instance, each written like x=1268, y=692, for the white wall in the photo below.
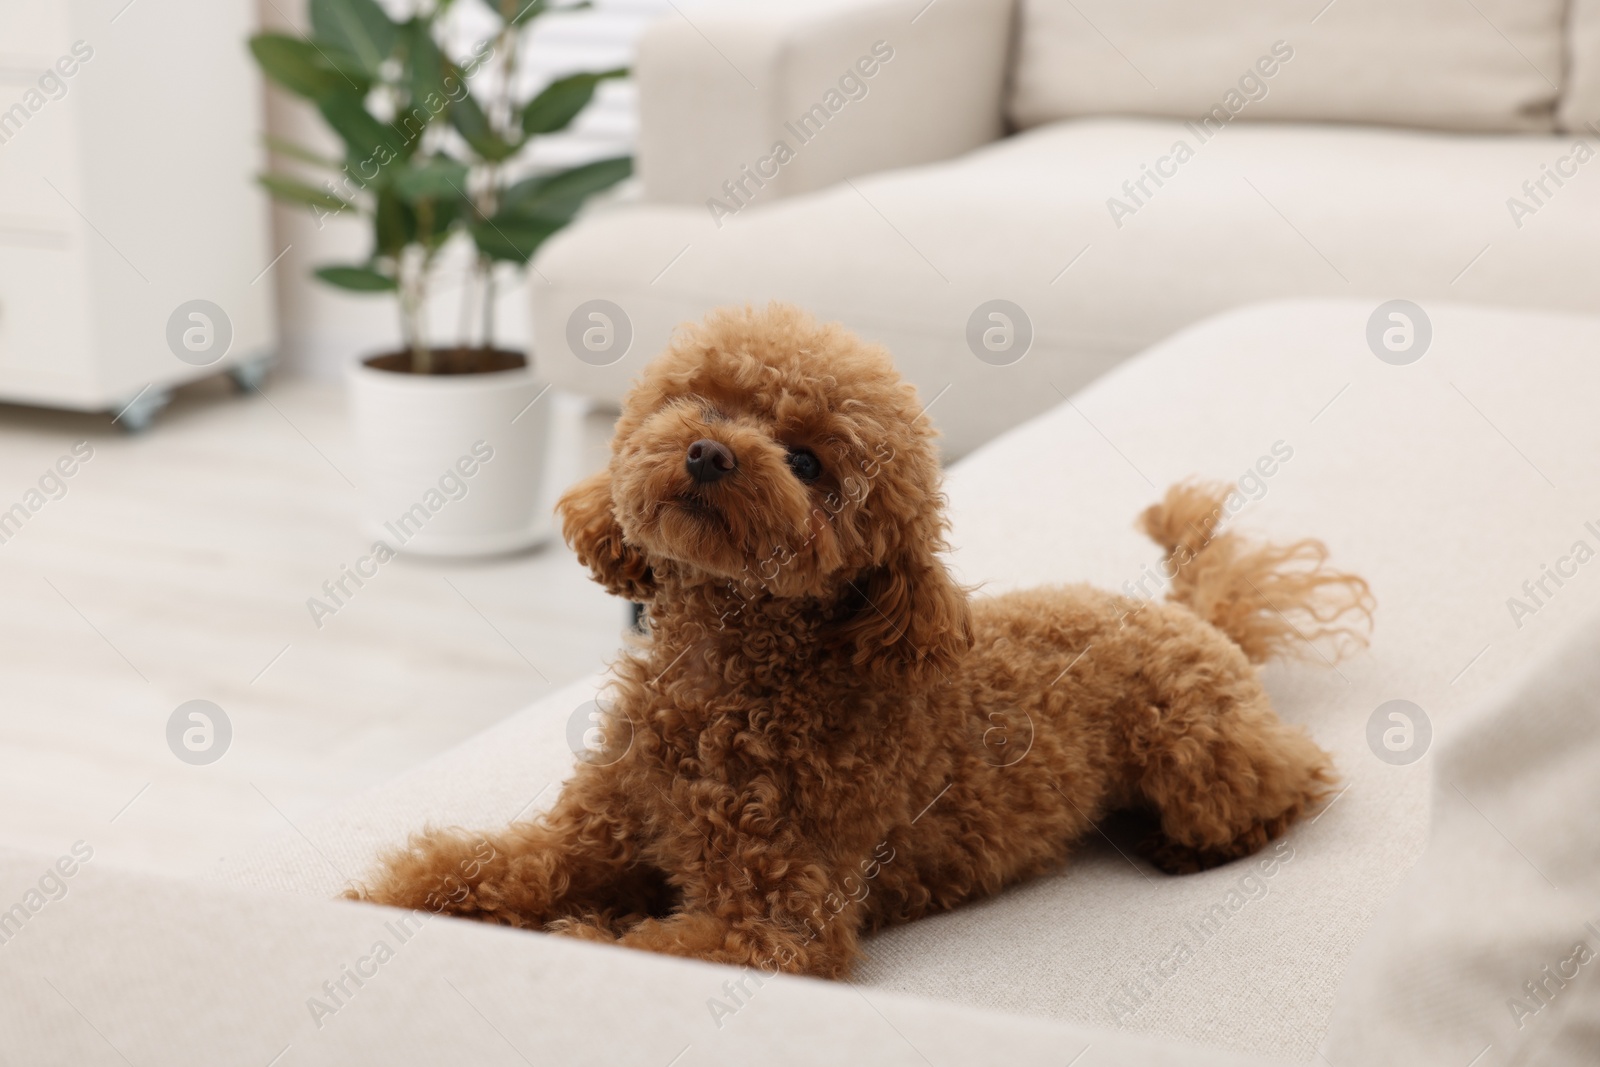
x=322, y=328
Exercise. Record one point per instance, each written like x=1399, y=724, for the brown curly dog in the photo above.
x=823, y=733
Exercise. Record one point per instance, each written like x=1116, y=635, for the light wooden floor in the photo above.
x=177, y=566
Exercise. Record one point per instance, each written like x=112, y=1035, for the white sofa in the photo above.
x=1385, y=157
x=1447, y=482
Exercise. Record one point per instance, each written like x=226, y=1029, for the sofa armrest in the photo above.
x=761, y=101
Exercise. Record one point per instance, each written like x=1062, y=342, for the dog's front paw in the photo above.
x=449, y=873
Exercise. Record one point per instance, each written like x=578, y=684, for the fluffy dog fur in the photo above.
x=823, y=733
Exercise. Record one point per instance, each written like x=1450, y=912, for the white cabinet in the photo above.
x=130, y=134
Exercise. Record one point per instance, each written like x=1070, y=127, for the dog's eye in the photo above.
x=805, y=464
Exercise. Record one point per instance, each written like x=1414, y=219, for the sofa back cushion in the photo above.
x=1486, y=65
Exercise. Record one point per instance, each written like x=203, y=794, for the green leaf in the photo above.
x=511, y=237
x=305, y=68
x=370, y=145
x=359, y=27
x=560, y=101
x=394, y=224
x=558, y=196
x=426, y=65
x=434, y=178
x=357, y=279
x=467, y=116
x=298, y=192
x=437, y=221
x=281, y=147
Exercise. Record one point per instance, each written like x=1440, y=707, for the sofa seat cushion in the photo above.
x=1100, y=268
x=1446, y=483
x=121, y=968
x=1487, y=65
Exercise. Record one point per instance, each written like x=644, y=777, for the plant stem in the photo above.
x=503, y=114
x=487, y=266
x=413, y=298
x=468, y=287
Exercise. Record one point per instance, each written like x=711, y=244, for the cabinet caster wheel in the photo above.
x=141, y=410
x=250, y=374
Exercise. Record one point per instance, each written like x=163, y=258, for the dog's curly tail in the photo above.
x=1270, y=599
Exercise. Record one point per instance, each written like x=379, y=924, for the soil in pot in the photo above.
x=451, y=361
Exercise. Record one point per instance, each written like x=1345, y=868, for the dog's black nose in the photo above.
x=708, y=461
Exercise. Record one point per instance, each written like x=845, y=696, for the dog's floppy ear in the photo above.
x=590, y=528
x=912, y=620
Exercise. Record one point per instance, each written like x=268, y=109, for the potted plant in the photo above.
x=451, y=435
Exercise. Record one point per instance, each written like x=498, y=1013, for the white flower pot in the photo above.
x=451, y=464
